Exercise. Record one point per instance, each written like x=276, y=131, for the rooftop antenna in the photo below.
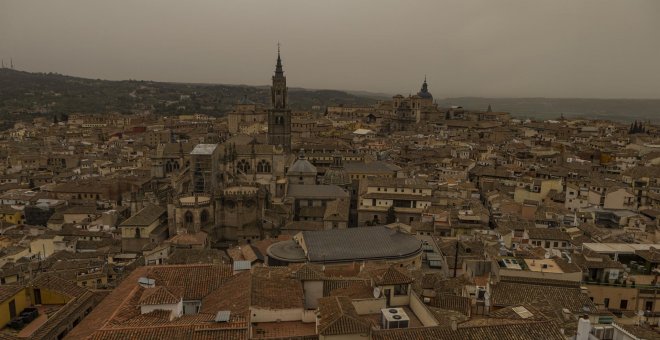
x=11, y=63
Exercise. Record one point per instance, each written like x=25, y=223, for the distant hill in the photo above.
x=624, y=110
x=29, y=94
x=53, y=93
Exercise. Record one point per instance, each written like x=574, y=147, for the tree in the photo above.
x=391, y=215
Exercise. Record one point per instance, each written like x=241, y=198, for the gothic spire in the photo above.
x=278, y=67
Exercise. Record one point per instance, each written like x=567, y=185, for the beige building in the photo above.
x=536, y=189
x=245, y=114
x=409, y=197
x=147, y=226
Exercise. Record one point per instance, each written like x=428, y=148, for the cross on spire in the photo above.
x=278, y=67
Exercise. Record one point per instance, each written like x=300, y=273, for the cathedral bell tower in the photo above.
x=279, y=115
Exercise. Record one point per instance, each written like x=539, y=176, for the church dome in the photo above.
x=336, y=175
x=424, y=92
x=302, y=166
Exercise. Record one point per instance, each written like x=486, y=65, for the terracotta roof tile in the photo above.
x=275, y=288
x=391, y=276
x=337, y=316
x=233, y=295
x=161, y=295
x=519, y=331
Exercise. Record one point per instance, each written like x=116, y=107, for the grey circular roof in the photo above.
x=302, y=166
x=288, y=251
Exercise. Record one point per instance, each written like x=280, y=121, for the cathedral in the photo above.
x=406, y=112
x=228, y=189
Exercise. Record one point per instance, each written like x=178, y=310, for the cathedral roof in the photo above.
x=302, y=166
x=424, y=92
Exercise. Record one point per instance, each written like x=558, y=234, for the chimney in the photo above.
x=584, y=327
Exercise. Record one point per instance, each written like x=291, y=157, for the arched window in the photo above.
x=168, y=167
x=188, y=217
x=263, y=166
x=137, y=233
x=243, y=166
x=204, y=217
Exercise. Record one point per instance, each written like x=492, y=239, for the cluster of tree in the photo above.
x=637, y=127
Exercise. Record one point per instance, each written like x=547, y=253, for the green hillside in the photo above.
x=50, y=93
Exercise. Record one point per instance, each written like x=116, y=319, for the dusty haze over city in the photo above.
x=591, y=49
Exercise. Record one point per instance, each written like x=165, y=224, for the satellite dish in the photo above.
x=640, y=313
x=376, y=292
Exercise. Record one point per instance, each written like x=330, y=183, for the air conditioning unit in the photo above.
x=394, y=318
x=598, y=332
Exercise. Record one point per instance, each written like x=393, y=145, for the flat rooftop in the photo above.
x=618, y=248
x=544, y=265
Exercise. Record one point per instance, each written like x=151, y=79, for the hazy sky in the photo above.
x=546, y=48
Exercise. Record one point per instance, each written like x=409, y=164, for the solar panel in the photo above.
x=222, y=316
x=242, y=265
x=522, y=312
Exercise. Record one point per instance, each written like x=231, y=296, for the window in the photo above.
x=606, y=302
x=188, y=217
x=401, y=290
x=263, y=166
x=243, y=166
x=624, y=304
x=137, y=233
